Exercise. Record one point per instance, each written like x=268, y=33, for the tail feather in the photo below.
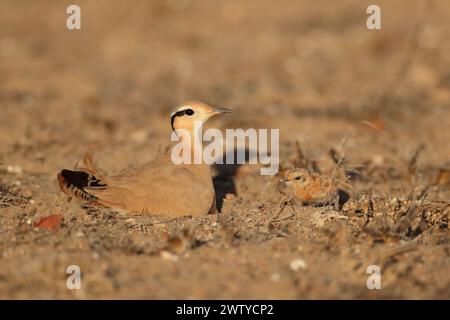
x=73, y=183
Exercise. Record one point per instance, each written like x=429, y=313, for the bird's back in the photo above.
x=161, y=187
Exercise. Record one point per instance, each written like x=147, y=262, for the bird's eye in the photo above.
x=299, y=178
x=189, y=112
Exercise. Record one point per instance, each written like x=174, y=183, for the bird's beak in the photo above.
x=220, y=110
x=283, y=185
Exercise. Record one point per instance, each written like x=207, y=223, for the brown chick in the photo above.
x=312, y=188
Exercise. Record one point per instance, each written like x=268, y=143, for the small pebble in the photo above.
x=166, y=255
x=14, y=169
x=297, y=264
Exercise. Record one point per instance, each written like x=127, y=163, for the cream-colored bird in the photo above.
x=160, y=187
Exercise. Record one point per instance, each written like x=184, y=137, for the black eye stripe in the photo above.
x=180, y=113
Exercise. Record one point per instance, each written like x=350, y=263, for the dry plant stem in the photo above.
x=282, y=205
x=369, y=213
x=412, y=164
x=341, y=160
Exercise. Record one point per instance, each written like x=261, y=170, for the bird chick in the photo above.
x=159, y=187
x=307, y=187
x=312, y=188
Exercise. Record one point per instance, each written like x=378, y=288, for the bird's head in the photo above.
x=293, y=178
x=185, y=116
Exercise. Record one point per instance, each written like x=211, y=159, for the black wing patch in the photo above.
x=82, y=179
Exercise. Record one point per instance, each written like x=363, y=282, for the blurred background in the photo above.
x=310, y=68
x=131, y=63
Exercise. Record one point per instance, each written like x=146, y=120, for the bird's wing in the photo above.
x=80, y=181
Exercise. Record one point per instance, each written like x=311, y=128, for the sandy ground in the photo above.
x=379, y=99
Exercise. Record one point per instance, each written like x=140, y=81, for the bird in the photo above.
x=309, y=187
x=306, y=186
x=160, y=187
